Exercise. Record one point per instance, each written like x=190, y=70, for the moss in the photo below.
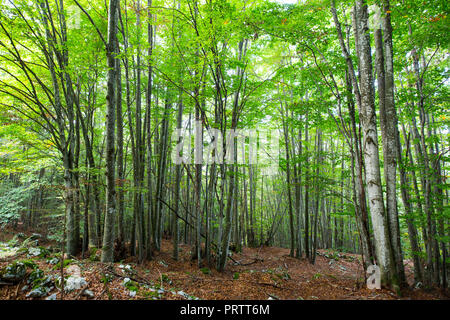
x=205, y=270
x=93, y=256
x=66, y=263
x=17, y=270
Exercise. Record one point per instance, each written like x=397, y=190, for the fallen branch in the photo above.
x=275, y=286
x=141, y=280
x=256, y=260
x=17, y=290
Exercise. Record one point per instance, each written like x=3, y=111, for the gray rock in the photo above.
x=48, y=281
x=53, y=260
x=75, y=283
x=34, y=252
x=37, y=293
x=88, y=293
x=51, y=297
x=15, y=272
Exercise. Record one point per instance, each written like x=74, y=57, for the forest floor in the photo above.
x=256, y=273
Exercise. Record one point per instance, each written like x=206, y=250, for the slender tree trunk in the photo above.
x=108, y=235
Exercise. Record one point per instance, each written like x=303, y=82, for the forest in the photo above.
x=224, y=149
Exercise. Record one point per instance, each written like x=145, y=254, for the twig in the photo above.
x=17, y=290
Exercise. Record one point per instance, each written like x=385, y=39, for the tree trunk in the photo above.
x=108, y=234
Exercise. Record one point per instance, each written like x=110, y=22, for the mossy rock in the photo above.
x=16, y=271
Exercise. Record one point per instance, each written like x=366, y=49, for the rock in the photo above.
x=88, y=293
x=14, y=272
x=48, y=281
x=35, y=236
x=51, y=297
x=74, y=270
x=37, y=293
x=35, y=277
x=75, y=283
x=53, y=260
x=34, y=252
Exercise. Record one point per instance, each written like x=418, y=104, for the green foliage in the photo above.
x=165, y=278
x=205, y=270
x=12, y=202
x=66, y=263
x=262, y=64
x=93, y=256
x=152, y=294
x=317, y=276
x=131, y=285
x=106, y=278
